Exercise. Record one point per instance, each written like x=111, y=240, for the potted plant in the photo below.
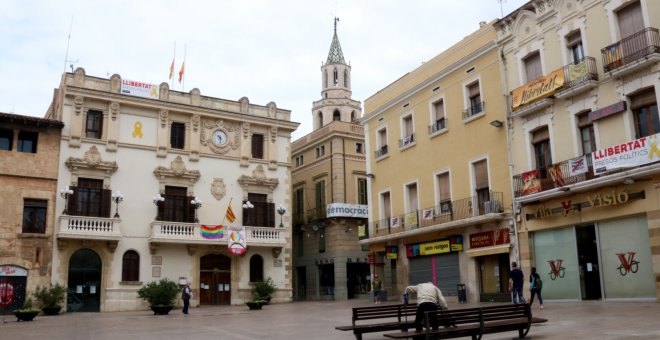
x=50, y=298
x=262, y=292
x=27, y=313
x=160, y=295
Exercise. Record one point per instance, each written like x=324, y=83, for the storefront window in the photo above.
x=556, y=262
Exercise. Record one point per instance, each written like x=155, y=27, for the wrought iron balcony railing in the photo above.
x=474, y=110
x=407, y=140
x=382, y=151
x=316, y=214
x=630, y=49
x=580, y=72
x=439, y=124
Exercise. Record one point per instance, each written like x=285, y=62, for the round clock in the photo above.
x=219, y=137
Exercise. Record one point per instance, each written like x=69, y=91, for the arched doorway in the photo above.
x=84, y=286
x=215, y=280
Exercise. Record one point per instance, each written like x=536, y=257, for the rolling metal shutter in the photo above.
x=446, y=273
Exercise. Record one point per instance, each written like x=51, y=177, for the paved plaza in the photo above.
x=316, y=320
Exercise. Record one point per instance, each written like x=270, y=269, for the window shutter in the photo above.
x=573, y=38
x=481, y=174
x=540, y=135
x=584, y=119
x=444, y=187
x=644, y=98
x=439, y=110
x=270, y=215
x=630, y=20
x=106, y=202
x=257, y=146
x=72, y=204
x=473, y=90
x=533, y=66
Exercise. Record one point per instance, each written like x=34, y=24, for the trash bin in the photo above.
x=462, y=294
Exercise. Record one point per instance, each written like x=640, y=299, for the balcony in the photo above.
x=382, y=151
x=191, y=234
x=89, y=229
x=637, y=51
x=474, y=110
x=452, y=214
x=407, y=141
x=579, y=77
x=298, y=218
x=317, y=214
x=439, y=125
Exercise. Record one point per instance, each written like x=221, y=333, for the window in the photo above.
x=27, y=141
x=336, y=115
x=444, y=193
x=474, y=100
x=386, y=211
x=382, y=143
x=177, y=207
x=130, y=270
x=258, y=146
x=542, y=155
x=177, y=135
x=298, y=206
x=362, y=191
x=320, y=151
x=6, y=139
x=90, y=199
x=574, y=43
x=358, y=148
x=411, y=193
x=320, y=195
x=34, y=216
x=408, y=131
x=256, y=268
x=94, y=126
x=335, y=76
x=299, y=160
x=439, y=122
x=325, y=79
x=481, y=184
x=263, y=213
x=533, y=66
x=587, y=137
x=320, y=119
x=644, y=107
x=630, y=20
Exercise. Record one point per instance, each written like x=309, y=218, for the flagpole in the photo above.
x=225, y=216
x=172, y=68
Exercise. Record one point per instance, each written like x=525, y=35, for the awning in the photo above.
x=498, y=249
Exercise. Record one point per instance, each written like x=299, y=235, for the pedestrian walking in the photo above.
x=535, y=287
x=186, y=295
x=429, y=298
x=516, y=282
x=377, y=286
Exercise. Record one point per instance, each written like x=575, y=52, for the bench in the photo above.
x=474, y=322
x=390, y=317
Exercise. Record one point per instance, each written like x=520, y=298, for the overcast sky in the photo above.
x=266, y=50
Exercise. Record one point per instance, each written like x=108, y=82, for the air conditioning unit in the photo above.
x=492, y=207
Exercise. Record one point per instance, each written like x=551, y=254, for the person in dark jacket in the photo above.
x=535, y=286
x=516, y=282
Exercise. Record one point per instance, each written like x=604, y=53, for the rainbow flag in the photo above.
x=213, y=232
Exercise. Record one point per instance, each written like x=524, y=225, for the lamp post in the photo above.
x=117, y=197
x=65, y=193
x=196, y=203
x=281, y=210
x=247, y=205
x=158, y=199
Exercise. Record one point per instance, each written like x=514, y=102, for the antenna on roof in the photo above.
x=66, y=56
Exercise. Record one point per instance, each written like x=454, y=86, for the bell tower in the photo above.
x=336, y=102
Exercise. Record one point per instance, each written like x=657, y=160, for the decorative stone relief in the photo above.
x=231, y=129
x=195, y=97
x=272, y=109
x=273, y=133
x=114, y=110
x=244, y=104
x=218, y=189
x=78, y=104
x=258, y=179
x=164, y=115
x=164, y=91
x=246, y=130
x=177, y=170
x=115, y=83
x=91, y=164
x=195, y=122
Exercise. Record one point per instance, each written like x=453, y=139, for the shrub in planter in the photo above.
x=160, y=295
x=262, y=292
x=50, y=299
x=27, y=313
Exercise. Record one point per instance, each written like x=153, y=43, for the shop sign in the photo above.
x=391, y=252
x=8, y=270
x=539, y=88
x=139, y=89
x=347, y=210
x=371, y=258
x=601, y=199
x=607, y=111
x=489, y=238
x=454, y=243
x=626, y=155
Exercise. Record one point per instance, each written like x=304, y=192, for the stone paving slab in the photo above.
x=316, y=320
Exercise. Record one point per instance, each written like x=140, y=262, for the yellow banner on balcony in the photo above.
x=539, y=88
x=577, y=71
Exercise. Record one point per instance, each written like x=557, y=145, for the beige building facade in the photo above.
x=151, y=175
x=582, y=79
x=29, y=151
x=329, y=188
x=439, y=178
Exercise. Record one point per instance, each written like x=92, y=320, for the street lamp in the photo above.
x=117, y=197
x=196, y=203
x=281, y=210
x=158, y=199
x=247, y=205
x=65, y=193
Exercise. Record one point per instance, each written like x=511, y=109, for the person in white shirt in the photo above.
x=429, y=298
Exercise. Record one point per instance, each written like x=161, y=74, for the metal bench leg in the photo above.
x=523, y=332
x=358, y=335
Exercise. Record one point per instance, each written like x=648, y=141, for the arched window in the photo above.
x=320, y=120
x=352, y=116
x=325, y=79
x=336, y=77
x=256, y=268
x=336, y=115
x=346, y=78
x=130, y=266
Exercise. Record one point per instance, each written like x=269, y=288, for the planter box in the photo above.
x=161, y=310
x=51, y=310
x=26, y=316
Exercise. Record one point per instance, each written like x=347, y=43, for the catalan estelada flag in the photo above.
x=230, y=215
x=213, y=232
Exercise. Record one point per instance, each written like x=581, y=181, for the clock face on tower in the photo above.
x=219, y=137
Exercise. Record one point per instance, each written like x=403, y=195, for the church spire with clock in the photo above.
x=336, y=102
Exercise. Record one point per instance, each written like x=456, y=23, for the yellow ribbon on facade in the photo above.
x=153, y=93
x=137, y=130
x=654, y=148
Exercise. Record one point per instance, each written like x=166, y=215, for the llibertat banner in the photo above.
x=139, y=89
x=539, y=88
x=627, y=155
